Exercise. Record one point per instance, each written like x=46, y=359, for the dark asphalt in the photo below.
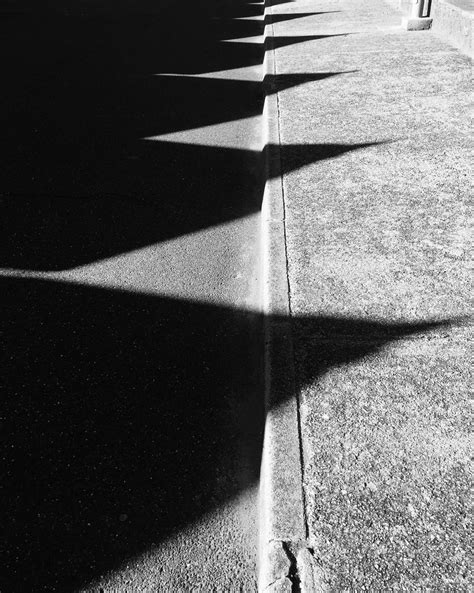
x=129, y=416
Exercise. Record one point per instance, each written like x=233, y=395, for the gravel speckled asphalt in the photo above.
x=132, y=426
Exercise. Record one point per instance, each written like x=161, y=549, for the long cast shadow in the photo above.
x=124, y=413
x=150, y=199
x=278, y=2
x=235, y=29
x=79, y=180
x=284, y=41
x=124, y=111
x=290, y=16
x=123, y=418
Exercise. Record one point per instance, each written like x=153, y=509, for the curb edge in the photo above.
x=284, y=557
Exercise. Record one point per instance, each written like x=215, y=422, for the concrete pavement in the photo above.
x=133, y=427
x=370, y=257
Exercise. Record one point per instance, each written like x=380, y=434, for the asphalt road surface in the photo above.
x=130, y=193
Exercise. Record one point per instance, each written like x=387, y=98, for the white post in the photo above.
x=418, y=16
x=420, y=9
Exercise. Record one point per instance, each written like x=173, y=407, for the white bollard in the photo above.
x=419, y=16
x=420, y=9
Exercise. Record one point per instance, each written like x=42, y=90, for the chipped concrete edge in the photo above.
x=286, y=562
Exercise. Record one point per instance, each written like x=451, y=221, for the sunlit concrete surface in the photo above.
x=185, y=268
x=378, y=247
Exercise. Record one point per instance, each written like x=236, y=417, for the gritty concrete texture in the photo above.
x=378, y=246
x=387, y=475
x=281, y=493
x=417, y=24
x=278, y=564
x=453, y=22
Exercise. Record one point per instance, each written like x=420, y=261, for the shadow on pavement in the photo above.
x=278, y=42
x=52, y=230
x=124, y=411
x=235, y=29
x=122, y=418
x=85, y=175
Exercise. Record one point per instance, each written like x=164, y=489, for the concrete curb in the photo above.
x=285, y=561
x=453, y=21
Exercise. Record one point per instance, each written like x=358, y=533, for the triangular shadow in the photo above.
x=237, y=28
x=123, y=114
x=289, y=16
x=279, y=42
x=279, y=82
x=55, y=225
x=232, y=100
x=291, y=157
x=121, y=405
x=278, y=2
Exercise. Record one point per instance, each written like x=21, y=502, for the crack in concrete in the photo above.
x=296, y=569
x=279, y=580
x=293, y=574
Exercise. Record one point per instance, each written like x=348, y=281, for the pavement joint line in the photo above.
x=285, y=559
